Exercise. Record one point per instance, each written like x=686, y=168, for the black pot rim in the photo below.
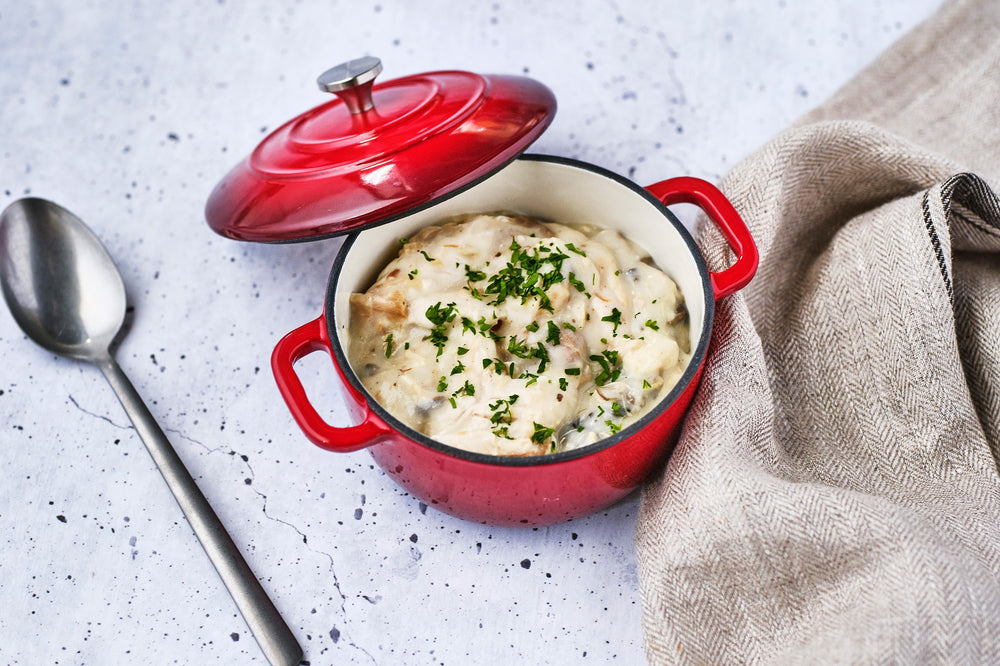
x=698, y=353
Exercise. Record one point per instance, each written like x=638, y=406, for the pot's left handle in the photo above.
x=718, y=208
x=312, y=337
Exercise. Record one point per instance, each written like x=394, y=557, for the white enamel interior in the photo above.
x=560, y=191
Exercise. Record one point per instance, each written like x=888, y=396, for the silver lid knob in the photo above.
x=352, y=82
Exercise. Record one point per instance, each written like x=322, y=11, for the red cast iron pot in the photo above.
x=525, y=491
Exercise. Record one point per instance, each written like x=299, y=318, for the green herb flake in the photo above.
x=442, y=385
x=440, y=316
x=474, y=275
x=652, y=324
x=577, y=284
x=615, y=318
x=610, y=369
x=426, y=256
x=502, y=417
x=542, y=356
x=486, y=328
x=553, y=334
x=528, y=274
x=573, y=248
x=388, y=345
x=541, y=433
x=466, y=389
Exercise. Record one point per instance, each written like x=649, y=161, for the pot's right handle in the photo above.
x=706, y=196
x=312, y=337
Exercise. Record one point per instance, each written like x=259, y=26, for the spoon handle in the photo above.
x=269, y=629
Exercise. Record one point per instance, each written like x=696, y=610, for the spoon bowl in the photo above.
x=59, y=281
x=66, y=293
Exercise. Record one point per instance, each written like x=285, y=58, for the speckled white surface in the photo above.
x=128, y=113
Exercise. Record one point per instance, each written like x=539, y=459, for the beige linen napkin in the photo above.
x=835, y=496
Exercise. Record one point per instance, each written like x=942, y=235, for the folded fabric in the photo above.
x=835, y=494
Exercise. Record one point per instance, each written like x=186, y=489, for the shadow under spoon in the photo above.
x=66, y=293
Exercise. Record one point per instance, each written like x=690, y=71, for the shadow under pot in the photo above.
x=532, y=490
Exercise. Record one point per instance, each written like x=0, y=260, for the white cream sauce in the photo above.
x=506, y=335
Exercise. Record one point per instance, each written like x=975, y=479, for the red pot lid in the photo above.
x=377, y=151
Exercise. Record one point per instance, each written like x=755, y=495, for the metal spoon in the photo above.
x=67, y=295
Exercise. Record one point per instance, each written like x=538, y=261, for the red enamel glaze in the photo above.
x=521, y=491
x=330, y=171
x=532, y=495
x=703, y=194
x=466, y=486
x=312, y=337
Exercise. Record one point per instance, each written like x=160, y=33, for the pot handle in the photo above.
x=312, y=337
x=706, y=196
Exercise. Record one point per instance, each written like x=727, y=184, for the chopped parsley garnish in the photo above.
x=521, y=349
x=442, y=385
x=577, y=284
x=541, y=433
x=610, y=369
x=502, y=418
x=525, y=276
x=518, y=348
x=466, y=389
x=533, y=326
x=388, y=345
x=486, y=328
x=412, y=274
x=553, y=334
x=440, y=317
x=499, y=367
x=426, y=256
x=572, y=371
x=615, y=318
x=563, y=384
x=652, y=324
x=573, y=248
x=473, y=275
x=542, y=356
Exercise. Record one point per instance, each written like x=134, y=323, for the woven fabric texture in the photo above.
x=835, y=495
